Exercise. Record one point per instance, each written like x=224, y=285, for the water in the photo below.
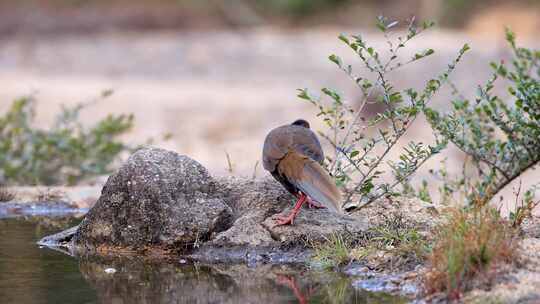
x=29, y=274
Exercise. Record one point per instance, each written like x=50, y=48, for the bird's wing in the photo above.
x=275, y=147
x=308, y=176
x=305, y=142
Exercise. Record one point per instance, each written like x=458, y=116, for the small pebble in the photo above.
x=110, y=270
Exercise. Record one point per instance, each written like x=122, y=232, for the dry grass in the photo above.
x=470, y=250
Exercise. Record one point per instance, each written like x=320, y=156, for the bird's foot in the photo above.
x=288, y=220
x=313, y=204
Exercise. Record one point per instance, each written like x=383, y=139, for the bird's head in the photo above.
x=301, y=122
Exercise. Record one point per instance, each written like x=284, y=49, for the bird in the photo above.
x=293, y=155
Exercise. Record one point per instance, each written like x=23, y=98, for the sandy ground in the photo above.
x=216, y=92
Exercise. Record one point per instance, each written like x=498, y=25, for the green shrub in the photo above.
x=65, y=153
x=360, y=161
x=501, y=135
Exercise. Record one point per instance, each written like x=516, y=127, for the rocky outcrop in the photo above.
x=165, y=201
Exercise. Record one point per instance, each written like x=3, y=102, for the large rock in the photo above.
x=158, y=199
x=254, y=236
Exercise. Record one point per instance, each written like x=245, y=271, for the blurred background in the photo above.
x=218, y=75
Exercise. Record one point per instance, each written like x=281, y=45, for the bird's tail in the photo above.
x=310, y=178
x=318, y=185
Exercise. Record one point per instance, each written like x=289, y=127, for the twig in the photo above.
x=229, y=162
x=255, y=170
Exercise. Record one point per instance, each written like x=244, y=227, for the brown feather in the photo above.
x=308, y=176
x=292, y=165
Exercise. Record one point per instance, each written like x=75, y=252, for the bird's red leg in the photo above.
x=311, y=203
x=285, y=220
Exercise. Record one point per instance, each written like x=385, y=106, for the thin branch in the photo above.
x=397, y=182
x=512, y=177
x=351, y=161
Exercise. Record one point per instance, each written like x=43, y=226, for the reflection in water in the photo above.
x=290, y=282
x=32, y=275
x=137, y=281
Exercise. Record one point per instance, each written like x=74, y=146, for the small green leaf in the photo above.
x=464, y=49
x=344, y=39
x=333, y=94
x=335, y=59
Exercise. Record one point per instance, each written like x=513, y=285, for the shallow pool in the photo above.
x=29, y=274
